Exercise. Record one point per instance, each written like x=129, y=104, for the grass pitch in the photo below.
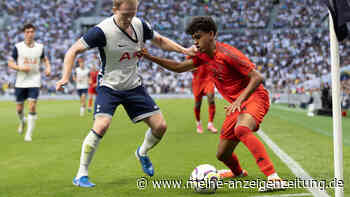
x=46, y=166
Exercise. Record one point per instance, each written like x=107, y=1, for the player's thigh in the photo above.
x=253, y=112
x=21, y=95
x=139, y=105
x=107, y=101
x=33, y=95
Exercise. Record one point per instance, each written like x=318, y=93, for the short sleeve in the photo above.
x=14, y=54
x=238, y=60
x=148, y=33
x=94, y=38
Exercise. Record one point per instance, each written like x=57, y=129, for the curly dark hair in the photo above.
x=28, y=26
x=201, y=23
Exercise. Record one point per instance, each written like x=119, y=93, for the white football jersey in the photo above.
x=28, y=56
x=82, y=78
x=118, y=52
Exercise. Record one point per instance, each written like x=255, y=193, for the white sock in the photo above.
x=89, y=147
x=198, y=123
x=31, y=125
x=82, y=110
x=273, y=176
x=149, y=142
x=210, y=124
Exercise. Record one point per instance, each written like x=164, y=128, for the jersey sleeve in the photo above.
x=148, y=33
x=94, y=38
x=14, y=54
x=238, y=60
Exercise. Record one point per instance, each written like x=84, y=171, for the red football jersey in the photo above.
x=229, y=69
x=200, y=75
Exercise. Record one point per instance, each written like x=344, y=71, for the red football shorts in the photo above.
x=257, y=106
x=91, y=90
x=202, y=89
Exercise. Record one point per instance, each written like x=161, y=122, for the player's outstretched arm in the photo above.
x=169, y=64
x=68, y=63
x=169, y=45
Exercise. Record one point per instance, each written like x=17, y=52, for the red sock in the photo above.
x=90, y=102
x=211, y=112
x=197, y=113
x=233, y=164
x=257, y=148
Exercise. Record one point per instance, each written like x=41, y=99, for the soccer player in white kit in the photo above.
x=26, y=59
x=119, y=39
x=81, y=79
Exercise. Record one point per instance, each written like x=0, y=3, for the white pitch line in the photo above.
x=297, y=170
x=287, y=195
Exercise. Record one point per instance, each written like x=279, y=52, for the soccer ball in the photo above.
x=204, y=179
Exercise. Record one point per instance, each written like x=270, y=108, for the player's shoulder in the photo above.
x=19, y=44
x=39, y=44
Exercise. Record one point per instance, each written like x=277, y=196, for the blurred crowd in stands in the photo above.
x=288, y=40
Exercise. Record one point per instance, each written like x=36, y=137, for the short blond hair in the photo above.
x=117, y=3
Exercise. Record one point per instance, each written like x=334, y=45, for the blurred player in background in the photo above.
x=26, y=59
x=120, y=39
x=81, y=79
x=202, y=85
x=240, y=84
x=92, y=86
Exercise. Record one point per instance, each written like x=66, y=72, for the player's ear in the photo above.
x=212, y=34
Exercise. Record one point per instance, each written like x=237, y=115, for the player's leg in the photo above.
x=89, y=147
x=21, y=96
x=197, y=112
x=154, y=134
x=225, y=154
x=141, y=107
x=90, y=102
x=33, y=94
x=212, y=110
x=245, y=126
x=105, y=106
x=82, y=103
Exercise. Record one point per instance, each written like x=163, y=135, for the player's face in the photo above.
x=29, y=34
x=125, y=13
x=203, y=40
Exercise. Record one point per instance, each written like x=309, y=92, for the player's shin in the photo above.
x=20, y=116
x=149, y=142
x=257, y=148
x=89, y=147
x=31, y=124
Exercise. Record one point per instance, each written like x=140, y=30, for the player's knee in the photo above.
x=161, y=127
x=241, y=131
x=101, y=125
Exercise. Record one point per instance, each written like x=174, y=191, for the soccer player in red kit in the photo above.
x=203, y=86
x=92, y=86
x=240, y=84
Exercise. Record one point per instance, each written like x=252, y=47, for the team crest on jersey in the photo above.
x=127, y=56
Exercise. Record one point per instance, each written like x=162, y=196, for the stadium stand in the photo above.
x=287, y=39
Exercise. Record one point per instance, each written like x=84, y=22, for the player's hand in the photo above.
x=48, y=72
x=191, y=51
x=60, y=84
x=25, y=69
x=230, y=109
x=144, y=52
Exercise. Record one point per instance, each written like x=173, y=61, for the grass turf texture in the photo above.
x=46, y=166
